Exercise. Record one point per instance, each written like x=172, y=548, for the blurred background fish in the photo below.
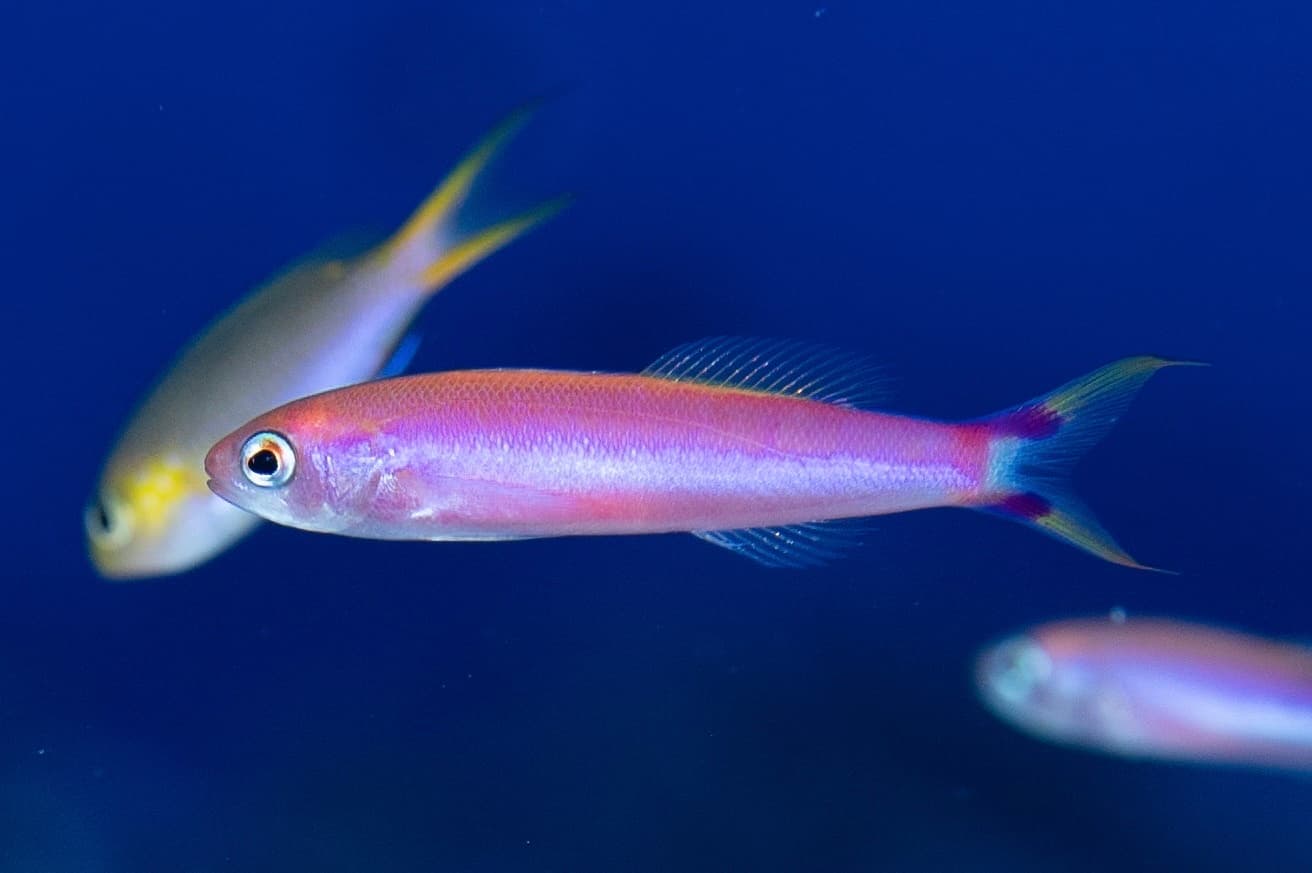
x=748, y=444
x=323, y=323
x=1155, y=688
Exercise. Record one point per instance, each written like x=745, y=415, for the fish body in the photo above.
x=532, y=453
x=322, y=324
x=506, y=454
x=1156, y=688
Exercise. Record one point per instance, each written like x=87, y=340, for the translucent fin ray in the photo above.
x=800, y=545
x=775, y=366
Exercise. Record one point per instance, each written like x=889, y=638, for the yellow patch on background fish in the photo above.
x=154, y=491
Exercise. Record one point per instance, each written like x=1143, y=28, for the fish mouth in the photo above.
x=213, y=464
x=212, y=460
x=221, y=489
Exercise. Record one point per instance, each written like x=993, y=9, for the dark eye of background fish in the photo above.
x=101, y=516
x=263, y=463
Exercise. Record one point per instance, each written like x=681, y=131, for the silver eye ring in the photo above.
x=268, y=460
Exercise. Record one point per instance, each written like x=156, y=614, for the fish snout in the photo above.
x=1009, y=673
x=222, y=466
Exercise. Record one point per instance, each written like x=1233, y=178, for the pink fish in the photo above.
x=1156, y=688
x=748, y=444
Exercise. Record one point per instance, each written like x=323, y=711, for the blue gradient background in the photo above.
x=988, y=198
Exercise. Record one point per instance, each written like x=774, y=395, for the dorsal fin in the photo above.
x=774, y=366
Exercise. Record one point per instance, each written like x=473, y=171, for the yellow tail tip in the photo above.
x=454, y=189
x=475, y=248
x=1040, y=441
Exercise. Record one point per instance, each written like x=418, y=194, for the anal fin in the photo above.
x=811, y=544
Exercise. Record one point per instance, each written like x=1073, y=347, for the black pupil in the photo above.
x=102, y=516
x=263, y=463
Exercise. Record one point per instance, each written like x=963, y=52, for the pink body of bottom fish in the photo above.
x=1156, y=688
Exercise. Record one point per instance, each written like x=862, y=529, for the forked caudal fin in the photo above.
x=424, y=244
x=1034, y=446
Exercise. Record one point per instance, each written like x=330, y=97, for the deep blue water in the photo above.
x=987, y=198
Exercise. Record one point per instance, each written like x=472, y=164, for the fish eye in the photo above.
x=106, y=524
x=268, y=460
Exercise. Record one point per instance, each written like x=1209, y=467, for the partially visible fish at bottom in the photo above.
x=1155, y=688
